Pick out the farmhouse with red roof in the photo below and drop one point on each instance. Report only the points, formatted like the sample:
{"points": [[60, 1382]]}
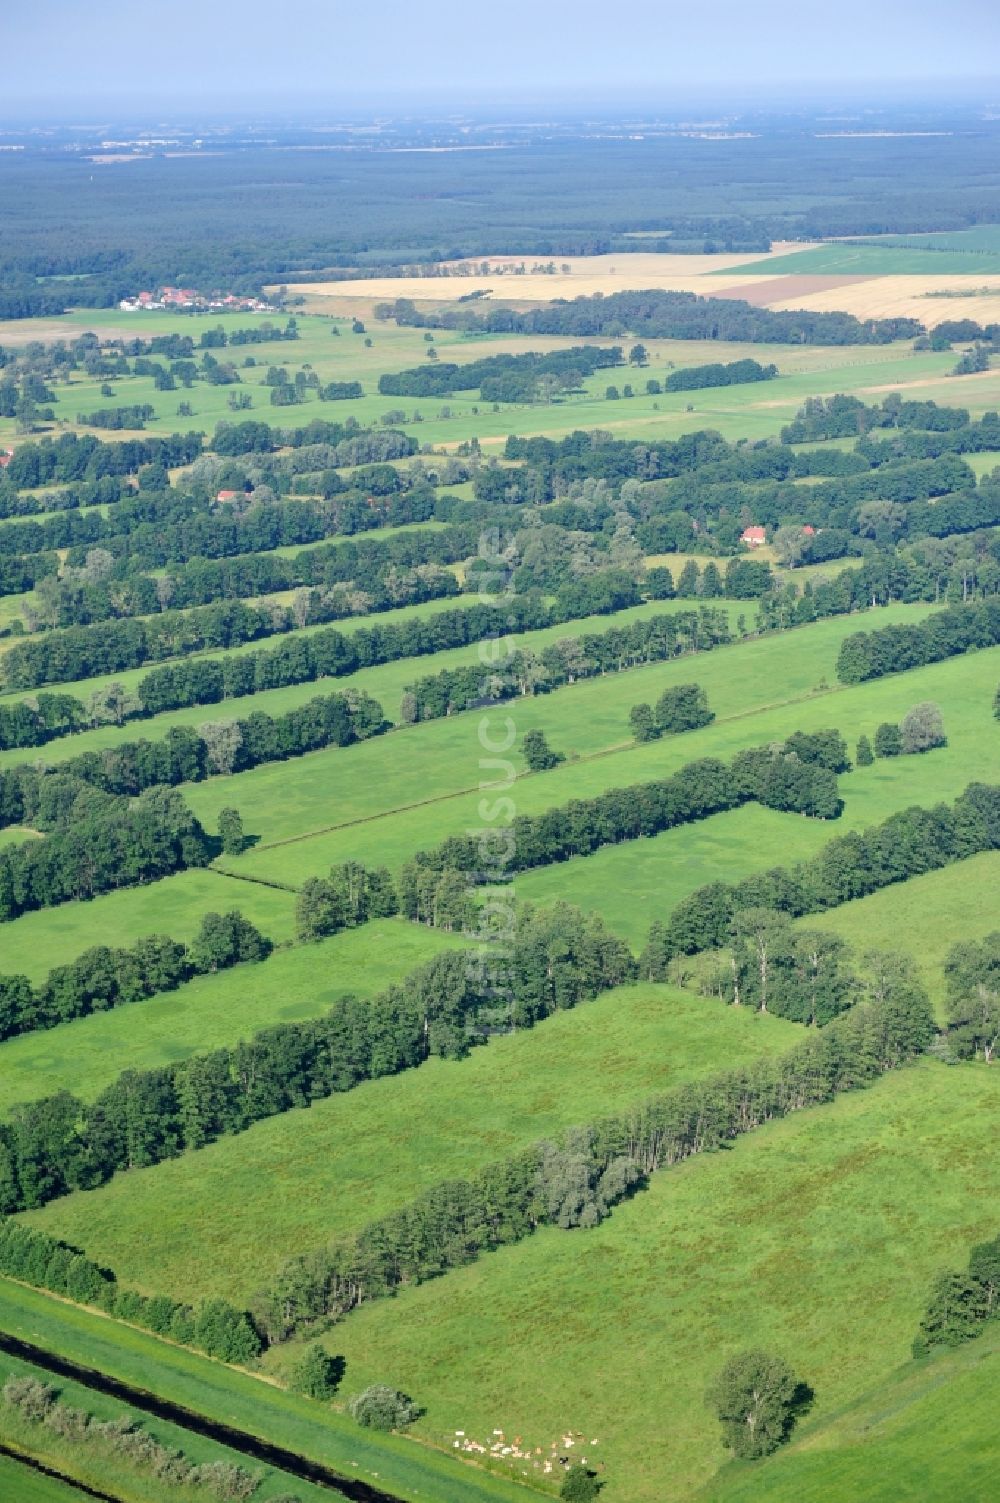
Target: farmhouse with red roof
{"points": [[754, 537]]}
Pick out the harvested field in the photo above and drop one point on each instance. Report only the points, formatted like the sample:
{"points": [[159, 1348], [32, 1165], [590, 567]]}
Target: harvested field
{"points": [[925, 298], [632, 272], [768, 292]]}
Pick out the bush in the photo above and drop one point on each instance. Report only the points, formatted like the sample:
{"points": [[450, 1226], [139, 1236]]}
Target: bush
{"points": [[382, 1408], [538, 753], [580, 1484], [317, 1374]]}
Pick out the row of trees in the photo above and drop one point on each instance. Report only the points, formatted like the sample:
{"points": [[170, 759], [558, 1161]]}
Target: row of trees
{"points": [[893, 649], [576, 1180], [557, 958], [112, 646], [771, 775], [663, 315], [101, 846], [188, 754], [656, 639], [33, 1257], [851, 866], [299, 659], [126, 1442], [104, 977]]}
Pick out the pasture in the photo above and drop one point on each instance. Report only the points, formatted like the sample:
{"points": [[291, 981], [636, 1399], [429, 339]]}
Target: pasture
{"points": [[414, 1474], [212, 1011], [737, 412], [298, 1180], [926, 1432], [845, 1212], [96, 1466]]}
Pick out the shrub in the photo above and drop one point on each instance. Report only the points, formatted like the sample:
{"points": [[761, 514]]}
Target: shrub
{"points": [[317, 1374], [382, 1408]]}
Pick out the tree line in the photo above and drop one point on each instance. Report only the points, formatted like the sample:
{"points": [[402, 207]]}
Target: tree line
{"points": [[33, 1257], [564, 662], [100, 844], [107, 976], [893, 649], [329, 653], [662, 315], [774, 776], [557, 958], [188, 754], [914, 841], [74, 652]]}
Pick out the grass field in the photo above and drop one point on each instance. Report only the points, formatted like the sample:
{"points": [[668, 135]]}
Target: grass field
{"points": [[22, 1485], [927, 1432], [815, 1237], [926, 915], [400, 809], [297, 1180], [86, 1055], [37, 941], [893, 256], [386, 682], [415, 1474], [735, 411]]}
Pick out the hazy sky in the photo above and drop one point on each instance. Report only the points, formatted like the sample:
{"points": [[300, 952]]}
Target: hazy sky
{"points": [[59, 54]]}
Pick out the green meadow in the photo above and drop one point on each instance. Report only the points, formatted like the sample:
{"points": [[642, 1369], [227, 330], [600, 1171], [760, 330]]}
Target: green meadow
{"points": [[815, 1237], [298, 1180], [892, 256], [23, 1485], [737, 412], [924, 916], [37, 941], [346, 819], [98, 1467], [412, 1473], [212, 1011], [927, 1432]]}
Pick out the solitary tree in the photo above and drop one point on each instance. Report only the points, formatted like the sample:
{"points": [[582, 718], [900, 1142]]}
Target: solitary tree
{"points": [[382, 1408], [683, 708], [580, 1484], [922, 728], [317, 1374], [538, 753], [863, 755], [757, 1398]]}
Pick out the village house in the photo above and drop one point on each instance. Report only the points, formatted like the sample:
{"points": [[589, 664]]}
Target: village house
{"points": [[754, 537]]}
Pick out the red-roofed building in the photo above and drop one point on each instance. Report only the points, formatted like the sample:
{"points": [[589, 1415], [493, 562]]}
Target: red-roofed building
{"points": [[754, 537], [6, 455], [227, 496], [810, 532]]}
